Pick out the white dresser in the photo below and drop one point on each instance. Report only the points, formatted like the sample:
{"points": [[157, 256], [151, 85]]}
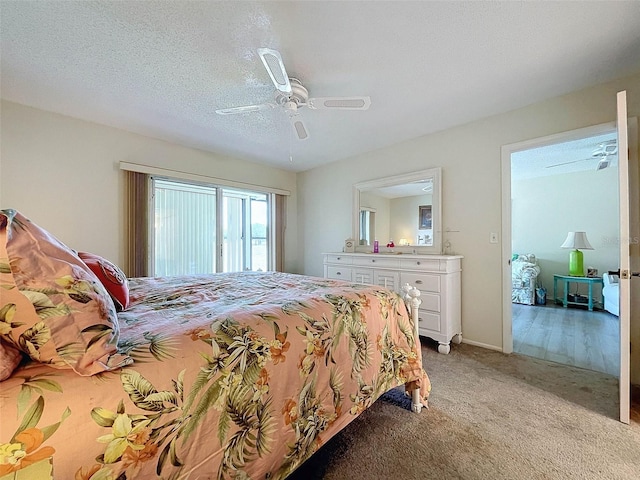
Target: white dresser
{"points": [[436, 276]]}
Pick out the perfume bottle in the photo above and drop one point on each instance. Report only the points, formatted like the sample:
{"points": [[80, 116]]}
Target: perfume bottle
{"points": [[375, 246]]}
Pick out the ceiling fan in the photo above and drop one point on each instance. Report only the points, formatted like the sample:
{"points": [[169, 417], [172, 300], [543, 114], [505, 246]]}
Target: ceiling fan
{"points": [[290, 95], [604, 152]]}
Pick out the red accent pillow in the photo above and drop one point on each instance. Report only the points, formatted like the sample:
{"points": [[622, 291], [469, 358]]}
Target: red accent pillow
{"points": [[112, 278]]}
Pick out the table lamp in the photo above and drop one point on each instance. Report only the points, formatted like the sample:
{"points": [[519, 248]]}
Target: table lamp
{"points": [[576, 241]]}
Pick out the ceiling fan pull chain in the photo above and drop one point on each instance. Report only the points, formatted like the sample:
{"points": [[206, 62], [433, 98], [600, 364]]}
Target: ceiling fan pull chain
{"points": [[290, 145]]}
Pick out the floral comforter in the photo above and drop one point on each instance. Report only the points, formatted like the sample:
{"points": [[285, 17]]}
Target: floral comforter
{"points": [[235, 376]]}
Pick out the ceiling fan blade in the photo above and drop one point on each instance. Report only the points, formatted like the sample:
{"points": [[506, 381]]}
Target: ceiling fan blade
{"points": [[275, 67], [245, 109], [567, 163], [339, 103], [299, 128], [604, 163]]}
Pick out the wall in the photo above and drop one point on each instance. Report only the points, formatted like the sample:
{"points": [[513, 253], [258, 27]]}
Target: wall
{"points": [[404, 219], [545, 209], [470, 157], [396, 218], [63, 174]]}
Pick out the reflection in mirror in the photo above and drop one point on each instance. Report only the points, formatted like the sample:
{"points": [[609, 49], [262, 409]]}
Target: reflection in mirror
{"points": [[402, 210], [367, 225]]}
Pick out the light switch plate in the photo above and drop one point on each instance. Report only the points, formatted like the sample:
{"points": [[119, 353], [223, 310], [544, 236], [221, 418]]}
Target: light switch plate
{"points": [[493, 237]]}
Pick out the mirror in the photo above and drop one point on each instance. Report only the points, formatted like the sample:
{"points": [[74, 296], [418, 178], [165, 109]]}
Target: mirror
{"points": [[404, 208]]}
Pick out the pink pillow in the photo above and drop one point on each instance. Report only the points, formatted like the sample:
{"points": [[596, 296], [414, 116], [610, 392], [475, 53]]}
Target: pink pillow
{"points": [[10, 358], [60, 313], [112, 278]]}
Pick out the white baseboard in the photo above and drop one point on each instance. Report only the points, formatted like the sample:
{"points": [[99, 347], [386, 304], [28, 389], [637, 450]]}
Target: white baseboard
{"points": [[483, 345]]}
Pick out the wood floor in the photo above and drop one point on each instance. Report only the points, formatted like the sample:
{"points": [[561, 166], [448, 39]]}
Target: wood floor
{"points": [[571, 336]]}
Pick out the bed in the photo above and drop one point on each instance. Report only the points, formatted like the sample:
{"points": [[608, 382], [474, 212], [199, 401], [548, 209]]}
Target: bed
{"points": [[239, 375]]}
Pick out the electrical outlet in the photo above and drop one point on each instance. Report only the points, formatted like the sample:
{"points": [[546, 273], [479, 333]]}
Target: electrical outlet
{"points": [[493, 237]]}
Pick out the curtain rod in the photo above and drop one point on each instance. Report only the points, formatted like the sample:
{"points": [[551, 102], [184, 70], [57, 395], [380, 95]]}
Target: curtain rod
{"points": [[149, 170]]}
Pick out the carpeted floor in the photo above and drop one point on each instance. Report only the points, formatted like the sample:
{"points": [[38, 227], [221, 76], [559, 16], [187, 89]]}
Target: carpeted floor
{"points": [[491, 416]]}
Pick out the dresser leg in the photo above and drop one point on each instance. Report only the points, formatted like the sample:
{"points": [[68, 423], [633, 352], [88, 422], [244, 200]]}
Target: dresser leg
{"points": [[444, 348], [457, 338]]}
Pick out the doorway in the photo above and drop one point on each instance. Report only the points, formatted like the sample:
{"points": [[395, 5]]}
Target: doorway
{"points": [[558, 189], [552, 186]]}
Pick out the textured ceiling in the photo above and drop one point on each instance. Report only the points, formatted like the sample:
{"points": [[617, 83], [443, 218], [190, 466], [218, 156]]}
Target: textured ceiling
{"points": [[163, 68], [565, 157]]}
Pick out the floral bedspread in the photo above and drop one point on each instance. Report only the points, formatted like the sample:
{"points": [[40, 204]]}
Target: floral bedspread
{"points": [[239, 375]]}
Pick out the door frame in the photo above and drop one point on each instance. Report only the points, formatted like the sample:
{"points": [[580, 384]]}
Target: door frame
{"points": [[506, 152]]}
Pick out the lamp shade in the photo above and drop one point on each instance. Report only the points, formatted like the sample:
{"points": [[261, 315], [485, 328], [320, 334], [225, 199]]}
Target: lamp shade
{"points": [[577, 240]]}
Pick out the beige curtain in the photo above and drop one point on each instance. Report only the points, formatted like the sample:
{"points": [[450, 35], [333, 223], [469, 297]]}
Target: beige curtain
{"points": [[280, 226], [137, 225]]}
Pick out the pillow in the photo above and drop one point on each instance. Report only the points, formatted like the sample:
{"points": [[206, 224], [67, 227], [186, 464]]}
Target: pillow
{"points": [[10, 358], [55, 308], [112, 278]]}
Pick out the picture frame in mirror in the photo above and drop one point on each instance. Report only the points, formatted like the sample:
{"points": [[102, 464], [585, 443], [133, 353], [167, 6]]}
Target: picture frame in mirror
{"points": [[424, 217]]}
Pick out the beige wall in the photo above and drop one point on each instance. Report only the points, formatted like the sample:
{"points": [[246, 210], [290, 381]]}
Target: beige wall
{"points": [[63, 174], [404, 218], [470, 157], [545, 209]]}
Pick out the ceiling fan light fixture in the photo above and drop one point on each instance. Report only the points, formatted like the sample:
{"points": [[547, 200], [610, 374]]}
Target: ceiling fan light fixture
{"points": [[291, 107]]}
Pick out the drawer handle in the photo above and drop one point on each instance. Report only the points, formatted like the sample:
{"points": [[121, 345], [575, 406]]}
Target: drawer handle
{"points": [[373, 261], [419, 319], [338, 273], [417, 263], [418, 282]]}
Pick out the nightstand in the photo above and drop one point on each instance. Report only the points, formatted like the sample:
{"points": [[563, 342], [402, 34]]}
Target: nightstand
{"points": [[566, 279]]}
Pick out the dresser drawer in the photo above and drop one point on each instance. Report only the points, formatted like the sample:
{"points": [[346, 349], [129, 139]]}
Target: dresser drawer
{"points": [[339, 273], [428, 321], [377, 261], [424, 282], [430, 301], [344, 259], [420, 264]]}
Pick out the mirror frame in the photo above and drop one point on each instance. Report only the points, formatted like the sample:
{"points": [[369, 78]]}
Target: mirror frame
{"points": [[436, 174]]}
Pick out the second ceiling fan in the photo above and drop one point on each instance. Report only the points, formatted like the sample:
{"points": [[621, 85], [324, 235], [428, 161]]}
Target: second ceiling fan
{"points": [[604, 153], [291, 95]]}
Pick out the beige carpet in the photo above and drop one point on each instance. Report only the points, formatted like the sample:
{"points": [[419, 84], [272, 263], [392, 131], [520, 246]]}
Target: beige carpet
{"points": [[491, 416]]}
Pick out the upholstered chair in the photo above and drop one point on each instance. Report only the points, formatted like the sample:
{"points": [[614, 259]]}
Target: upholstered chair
{"points": [[524, 276]]}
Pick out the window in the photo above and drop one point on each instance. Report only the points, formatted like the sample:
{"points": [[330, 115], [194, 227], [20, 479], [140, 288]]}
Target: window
{"points": [[367, 225], [202, 229], [245, 222]]}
